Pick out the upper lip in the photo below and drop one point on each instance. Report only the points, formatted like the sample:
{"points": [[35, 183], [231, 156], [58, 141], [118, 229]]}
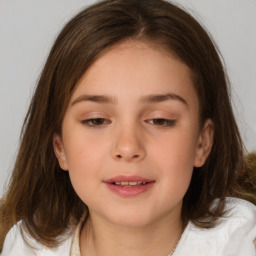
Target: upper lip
{"points": [[132, 178]]}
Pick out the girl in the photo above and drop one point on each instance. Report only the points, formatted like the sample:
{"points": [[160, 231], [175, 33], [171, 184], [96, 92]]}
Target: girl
{"points": [[130, 146]]}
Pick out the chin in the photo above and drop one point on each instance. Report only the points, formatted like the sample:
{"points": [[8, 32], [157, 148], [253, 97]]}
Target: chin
{"points": [[131, 219]]}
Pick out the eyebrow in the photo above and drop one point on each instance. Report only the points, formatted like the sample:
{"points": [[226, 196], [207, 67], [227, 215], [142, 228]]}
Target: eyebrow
{"points": [[151, 98], [95, 98], [155, 98]]}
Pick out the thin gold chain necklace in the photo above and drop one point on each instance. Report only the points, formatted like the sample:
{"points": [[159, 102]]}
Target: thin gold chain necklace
{"points": [[173, 250]]}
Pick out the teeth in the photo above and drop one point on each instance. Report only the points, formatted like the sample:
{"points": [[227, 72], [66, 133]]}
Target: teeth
{"points": [[133, 183], [130, 183]]}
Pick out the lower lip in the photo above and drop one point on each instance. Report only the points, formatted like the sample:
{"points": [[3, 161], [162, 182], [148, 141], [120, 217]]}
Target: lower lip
{"points": [[129, 191]]}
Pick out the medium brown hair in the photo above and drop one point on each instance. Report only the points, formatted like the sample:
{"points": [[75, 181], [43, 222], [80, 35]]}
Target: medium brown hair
{"points": [[40, 193]]}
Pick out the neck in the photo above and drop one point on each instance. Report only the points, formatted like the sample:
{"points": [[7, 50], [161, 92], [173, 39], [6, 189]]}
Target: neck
{"points": [[104, 239]]}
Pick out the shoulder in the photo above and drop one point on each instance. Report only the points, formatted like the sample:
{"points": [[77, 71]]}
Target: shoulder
{"points": [[234, 235], [14, 245], [240, 213]]}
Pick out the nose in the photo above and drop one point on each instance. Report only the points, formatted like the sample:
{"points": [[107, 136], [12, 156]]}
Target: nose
{"points": [[128, 146]]}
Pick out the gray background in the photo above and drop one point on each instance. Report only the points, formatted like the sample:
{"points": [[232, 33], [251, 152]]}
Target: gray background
{"points": [[28, 29]]}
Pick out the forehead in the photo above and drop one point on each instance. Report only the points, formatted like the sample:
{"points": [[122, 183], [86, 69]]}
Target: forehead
{"points": [[132, 69]]}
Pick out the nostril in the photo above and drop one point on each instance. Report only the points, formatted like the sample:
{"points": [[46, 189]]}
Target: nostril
{"points": [[120, 156]]}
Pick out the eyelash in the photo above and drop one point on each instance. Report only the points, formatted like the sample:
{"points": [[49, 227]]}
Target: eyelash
{"points": [[89, 122], [163, 122]]}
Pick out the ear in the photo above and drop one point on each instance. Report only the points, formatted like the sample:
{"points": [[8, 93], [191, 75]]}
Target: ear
{"points": [[59, 151], [204, 143]]}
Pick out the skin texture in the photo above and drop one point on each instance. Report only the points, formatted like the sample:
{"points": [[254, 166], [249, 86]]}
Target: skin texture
{"points": [[131, 138]]}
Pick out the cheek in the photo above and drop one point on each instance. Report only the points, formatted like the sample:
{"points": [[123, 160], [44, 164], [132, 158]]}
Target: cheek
{"points": [[175, 177], [174, 160], [176, 151], [81, 149], [176, 168], [85, 158]]}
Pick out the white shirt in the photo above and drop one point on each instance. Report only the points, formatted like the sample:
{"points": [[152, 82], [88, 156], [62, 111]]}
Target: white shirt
{"points": [[234, 236]]}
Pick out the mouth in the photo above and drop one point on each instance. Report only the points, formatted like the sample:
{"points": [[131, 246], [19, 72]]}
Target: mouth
{"points": [[130, 183], [129, 186]]}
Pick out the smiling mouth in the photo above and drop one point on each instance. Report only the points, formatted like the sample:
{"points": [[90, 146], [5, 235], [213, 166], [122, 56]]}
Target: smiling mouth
{"points": [[129, 186], [130, 183]]}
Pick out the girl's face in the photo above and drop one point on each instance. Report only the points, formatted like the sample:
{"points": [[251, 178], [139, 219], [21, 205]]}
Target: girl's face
{"points": [[131, 137]]}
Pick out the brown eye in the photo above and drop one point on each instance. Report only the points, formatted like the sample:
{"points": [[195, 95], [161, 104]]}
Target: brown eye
{"points": [[162, 122], [94, 121]]}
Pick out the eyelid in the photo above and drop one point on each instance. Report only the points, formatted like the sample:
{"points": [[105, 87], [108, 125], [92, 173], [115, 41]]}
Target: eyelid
{"points": [[167, 122], [88, 120]]}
